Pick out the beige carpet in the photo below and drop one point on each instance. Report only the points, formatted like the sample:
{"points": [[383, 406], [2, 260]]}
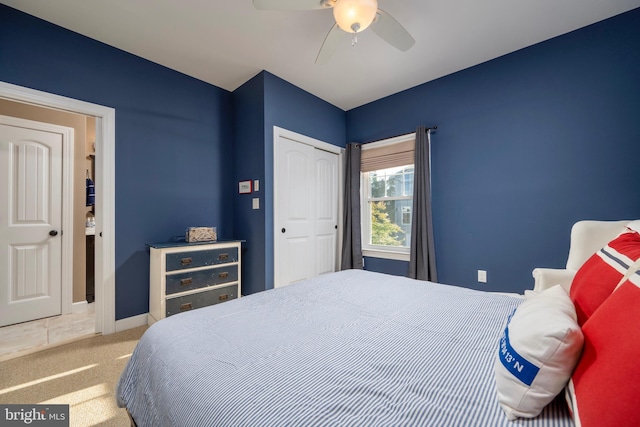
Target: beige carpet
{"points": [[82, 374]]}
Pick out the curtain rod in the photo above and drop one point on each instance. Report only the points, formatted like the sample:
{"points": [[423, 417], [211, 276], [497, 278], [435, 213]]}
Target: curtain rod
{"points": [[432, 128]]}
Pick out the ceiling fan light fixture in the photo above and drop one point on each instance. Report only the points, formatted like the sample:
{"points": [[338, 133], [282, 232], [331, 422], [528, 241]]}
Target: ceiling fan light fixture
{"points": [[354, 16]]}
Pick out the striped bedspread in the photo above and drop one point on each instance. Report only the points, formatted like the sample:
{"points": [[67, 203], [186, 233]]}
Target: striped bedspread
{"points": [[352, 348]]}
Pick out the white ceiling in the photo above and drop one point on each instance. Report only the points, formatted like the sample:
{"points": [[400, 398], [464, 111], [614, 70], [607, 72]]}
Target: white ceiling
{"points": [[225, 43]]}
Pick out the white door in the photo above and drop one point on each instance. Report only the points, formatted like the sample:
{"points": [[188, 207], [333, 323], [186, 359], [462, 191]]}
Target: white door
{"points": [[30, 221], [325, 214], [305, 211]]}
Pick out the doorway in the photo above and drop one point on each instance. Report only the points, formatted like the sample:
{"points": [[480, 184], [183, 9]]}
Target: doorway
{"points": [[104, 193]]}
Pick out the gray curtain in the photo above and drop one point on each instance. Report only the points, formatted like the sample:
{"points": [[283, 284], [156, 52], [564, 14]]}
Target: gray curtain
{"points": [[352, 238], [422, 258]]}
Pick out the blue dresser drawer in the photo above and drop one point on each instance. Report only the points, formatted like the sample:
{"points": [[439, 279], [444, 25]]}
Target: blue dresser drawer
{"points": [[192, 259], [182, 282], [200, 299]]}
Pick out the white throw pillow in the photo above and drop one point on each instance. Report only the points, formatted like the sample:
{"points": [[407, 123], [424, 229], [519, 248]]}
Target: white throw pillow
{"points": [[538, 351]]}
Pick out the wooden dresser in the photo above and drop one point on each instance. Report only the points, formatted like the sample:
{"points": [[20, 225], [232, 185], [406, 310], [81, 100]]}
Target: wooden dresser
{"points": [[186, 276]]}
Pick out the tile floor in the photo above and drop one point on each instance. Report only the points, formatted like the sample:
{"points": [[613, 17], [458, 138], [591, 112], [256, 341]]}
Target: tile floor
{"points": [[25, 338]]}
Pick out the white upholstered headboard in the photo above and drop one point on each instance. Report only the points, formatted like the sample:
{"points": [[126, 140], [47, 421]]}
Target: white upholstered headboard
{"points": [[587, 237]]}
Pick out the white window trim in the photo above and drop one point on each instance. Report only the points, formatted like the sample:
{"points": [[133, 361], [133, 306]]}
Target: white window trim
{"points": [[380, 253], [376, 251]]}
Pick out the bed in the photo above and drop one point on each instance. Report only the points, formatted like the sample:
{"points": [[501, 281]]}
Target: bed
{"points": [[352, 348]]}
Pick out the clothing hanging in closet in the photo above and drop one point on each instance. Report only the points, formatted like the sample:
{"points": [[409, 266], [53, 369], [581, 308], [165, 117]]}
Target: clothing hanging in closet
{"points": [[91, 191]]}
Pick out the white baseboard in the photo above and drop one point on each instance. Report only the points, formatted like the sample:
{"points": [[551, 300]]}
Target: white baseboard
{"points": [[131, 322], [82, 307]]}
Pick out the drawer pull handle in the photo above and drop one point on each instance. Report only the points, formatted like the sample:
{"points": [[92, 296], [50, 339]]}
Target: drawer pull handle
{"points": [[186, 307], [223, 297], [186, 282], [223, 257], [223, 275], [185, 261]]}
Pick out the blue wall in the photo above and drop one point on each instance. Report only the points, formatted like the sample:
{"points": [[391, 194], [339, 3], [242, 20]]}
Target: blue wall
{"points": [[526, 145], [173, 136], [287, 106], [249, 165]]}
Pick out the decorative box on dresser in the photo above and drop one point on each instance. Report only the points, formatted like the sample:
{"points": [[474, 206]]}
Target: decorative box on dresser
{"points": [[186, 276]]}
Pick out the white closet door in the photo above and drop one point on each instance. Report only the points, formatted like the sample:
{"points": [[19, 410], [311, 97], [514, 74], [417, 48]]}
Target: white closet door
{"points": [[325, 214], [294, 205], [305, 211]]}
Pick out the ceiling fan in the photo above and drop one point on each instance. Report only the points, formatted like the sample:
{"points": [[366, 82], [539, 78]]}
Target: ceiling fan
{"points": [[352, 16]]}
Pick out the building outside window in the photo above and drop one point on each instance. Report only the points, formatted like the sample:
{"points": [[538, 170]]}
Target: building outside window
{"points": [[406, 215]]}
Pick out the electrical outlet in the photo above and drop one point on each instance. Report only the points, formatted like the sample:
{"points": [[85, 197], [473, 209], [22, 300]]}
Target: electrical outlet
{"points": [[482, 276]]}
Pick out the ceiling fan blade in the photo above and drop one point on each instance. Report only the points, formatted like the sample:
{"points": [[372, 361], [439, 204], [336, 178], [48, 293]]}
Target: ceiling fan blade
{"points": [[330, 44], [289, 4], [392, 31]]}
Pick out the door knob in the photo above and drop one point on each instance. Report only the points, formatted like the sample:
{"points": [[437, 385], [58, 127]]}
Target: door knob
{"points": [[283, 230], [53, 233]]}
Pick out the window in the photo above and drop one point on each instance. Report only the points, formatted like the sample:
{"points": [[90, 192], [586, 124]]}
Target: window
{"points": [[387, 197]]}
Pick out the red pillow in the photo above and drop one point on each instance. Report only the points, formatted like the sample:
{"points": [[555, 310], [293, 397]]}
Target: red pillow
{"points": [[600, 274], [605, 387]]}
